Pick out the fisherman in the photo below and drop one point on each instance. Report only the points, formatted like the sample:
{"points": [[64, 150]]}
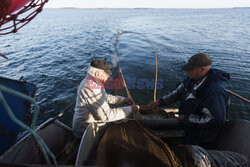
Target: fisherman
{"points": [[203, 101], [92, 102]]}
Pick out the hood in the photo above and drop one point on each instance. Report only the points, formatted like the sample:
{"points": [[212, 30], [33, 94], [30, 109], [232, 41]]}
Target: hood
{"points": [[215, 74]]}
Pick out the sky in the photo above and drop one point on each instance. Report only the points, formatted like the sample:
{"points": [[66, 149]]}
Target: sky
{"points": [[148, 3]]}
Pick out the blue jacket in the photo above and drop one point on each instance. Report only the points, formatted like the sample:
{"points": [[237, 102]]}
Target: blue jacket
{"points": [[204, 107]]}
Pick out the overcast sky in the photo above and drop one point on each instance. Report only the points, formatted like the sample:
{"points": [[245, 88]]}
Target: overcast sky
{"points": [[148, 3]]}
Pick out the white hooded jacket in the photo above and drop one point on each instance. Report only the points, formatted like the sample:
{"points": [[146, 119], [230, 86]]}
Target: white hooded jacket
{"points": [[92, 105]]}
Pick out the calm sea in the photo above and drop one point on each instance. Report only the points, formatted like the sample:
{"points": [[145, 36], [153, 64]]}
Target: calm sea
{"points": [[55, 49]]}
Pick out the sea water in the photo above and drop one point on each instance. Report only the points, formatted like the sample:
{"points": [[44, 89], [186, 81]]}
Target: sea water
{"points": [[55, 49]]}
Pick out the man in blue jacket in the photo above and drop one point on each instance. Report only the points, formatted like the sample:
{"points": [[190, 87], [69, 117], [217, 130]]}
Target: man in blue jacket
{"points": [[204, 101]]}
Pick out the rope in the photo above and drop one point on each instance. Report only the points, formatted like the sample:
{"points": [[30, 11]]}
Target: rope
{"points": [[237, 95], [46, 151], [156, 64], [21, 95]]}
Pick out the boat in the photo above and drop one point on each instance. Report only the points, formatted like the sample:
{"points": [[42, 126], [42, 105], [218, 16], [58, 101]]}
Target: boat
{"points": [[70, 151]]}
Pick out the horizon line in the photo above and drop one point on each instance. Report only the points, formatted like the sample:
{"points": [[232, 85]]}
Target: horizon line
{"points": [[141, 7]]}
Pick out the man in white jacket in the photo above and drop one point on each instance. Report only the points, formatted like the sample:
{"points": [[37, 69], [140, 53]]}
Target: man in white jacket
{"points": [[92, 102]]}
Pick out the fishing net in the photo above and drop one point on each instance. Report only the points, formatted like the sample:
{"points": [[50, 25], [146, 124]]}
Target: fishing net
{"points": [[11, 23], [117, 72], [119, 84], [120, 87], [200, 157], [131, 144]]}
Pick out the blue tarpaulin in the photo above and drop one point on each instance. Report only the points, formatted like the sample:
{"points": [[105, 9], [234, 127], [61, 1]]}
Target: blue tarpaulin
{"points": [[20, 107]]}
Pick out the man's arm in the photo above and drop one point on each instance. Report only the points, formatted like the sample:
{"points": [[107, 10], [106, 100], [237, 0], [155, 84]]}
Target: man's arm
{"points": [[100, 109], [172, 97], [212, 114], [111, 99]]}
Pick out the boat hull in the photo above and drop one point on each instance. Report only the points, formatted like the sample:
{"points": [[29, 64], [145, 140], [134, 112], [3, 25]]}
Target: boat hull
{"points": [[56, 135]]}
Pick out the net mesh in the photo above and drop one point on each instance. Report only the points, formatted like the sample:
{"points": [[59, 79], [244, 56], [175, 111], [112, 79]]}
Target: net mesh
{"points": [[120, 87], [130, 144], [11, 23]]}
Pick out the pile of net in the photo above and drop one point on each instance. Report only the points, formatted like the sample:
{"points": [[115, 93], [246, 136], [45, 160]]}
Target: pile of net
{"points": [[200, 157], [130, 144]]}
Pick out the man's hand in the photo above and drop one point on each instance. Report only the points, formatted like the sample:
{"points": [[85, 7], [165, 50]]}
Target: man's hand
{"points": [[135, 108], [154, 104], [128, 101]]}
